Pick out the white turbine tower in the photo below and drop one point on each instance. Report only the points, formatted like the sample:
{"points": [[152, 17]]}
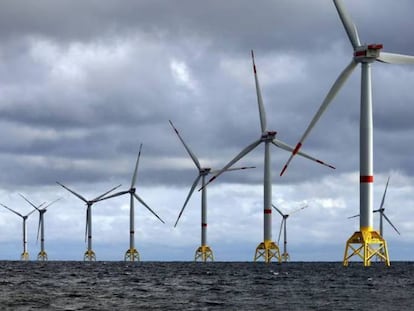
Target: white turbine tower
{"points": [[132, 254], [25, 253], [266, 249], [367, 242], [42, 256], [204, 252], [285, 254], [89, 254]]}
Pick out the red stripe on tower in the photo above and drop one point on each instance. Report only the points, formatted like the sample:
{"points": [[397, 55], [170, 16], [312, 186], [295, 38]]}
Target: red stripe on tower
{"points": [[267, 211], [366, 179], [204, 225]]}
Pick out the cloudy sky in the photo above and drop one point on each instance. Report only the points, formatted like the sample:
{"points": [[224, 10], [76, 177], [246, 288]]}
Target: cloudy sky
{"points": [[84, 83]]}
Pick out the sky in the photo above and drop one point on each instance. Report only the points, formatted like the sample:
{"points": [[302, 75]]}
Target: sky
{"points": [[84, 83]]}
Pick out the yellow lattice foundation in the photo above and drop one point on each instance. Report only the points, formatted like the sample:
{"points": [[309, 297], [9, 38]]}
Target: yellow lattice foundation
{"points": [[42, 256], [366, 244], [24, 256], [285, 257], [204, 253], [267, 250], [132, 255], [89, 256]]}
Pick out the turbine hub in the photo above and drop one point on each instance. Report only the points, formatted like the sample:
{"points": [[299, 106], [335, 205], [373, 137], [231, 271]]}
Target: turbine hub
{"points": [[367, 53], [132, 190]]}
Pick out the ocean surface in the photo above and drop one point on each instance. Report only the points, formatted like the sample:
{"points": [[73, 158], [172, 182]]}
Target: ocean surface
{"points": [[61, 285]]}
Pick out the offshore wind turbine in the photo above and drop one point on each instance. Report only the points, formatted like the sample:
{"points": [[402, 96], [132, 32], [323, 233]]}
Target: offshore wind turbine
{"points": [[266, 249], [89, 254], [203, 252], [367, 242], [382, 213], [25, 253], [285, 254], [42, 256], [132, 254]]}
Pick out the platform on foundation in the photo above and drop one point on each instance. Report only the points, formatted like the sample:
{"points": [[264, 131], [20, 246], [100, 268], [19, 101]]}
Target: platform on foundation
{"points": [[204, 253], [89, 256], [42, 256], [267, 250], [366, 245], [132, 255]]}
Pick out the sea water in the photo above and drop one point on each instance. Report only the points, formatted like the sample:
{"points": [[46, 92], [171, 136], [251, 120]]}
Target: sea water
{"points": [[60, 285]]}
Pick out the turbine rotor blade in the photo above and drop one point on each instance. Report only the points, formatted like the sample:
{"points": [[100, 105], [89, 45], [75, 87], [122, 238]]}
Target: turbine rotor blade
{"points": [[278, 210], [31, 213], [389, 221], [385, 192], [145, 204], [195, 183], [392, 58], [298, 209], [134, 176], [113, 195], [73, 192], [191, 154], [102, 195], [262, 111], [328, 99], [86, 224], [280, 230], [36, 207], [282, 145], [233, 169], [51, 203], [353, 216], [13, 211], [349, 25], [38, 227], [244, 152]]}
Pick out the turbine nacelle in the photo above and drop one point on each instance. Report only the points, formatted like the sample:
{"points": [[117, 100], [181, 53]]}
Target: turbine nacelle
{"points": [[268, 136], [205, 171], [367, 53]]}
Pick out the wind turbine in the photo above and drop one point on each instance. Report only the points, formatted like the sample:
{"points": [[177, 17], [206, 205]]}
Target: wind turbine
{"points": [[132, 254], [285, 254], [25, 254], [204, 252], [89, 254], [41, 227], [266, 249], [367, 242], [382, 214]]}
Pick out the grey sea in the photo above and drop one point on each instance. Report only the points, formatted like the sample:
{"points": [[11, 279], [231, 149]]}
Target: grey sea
{"points": [[60, 285]]}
